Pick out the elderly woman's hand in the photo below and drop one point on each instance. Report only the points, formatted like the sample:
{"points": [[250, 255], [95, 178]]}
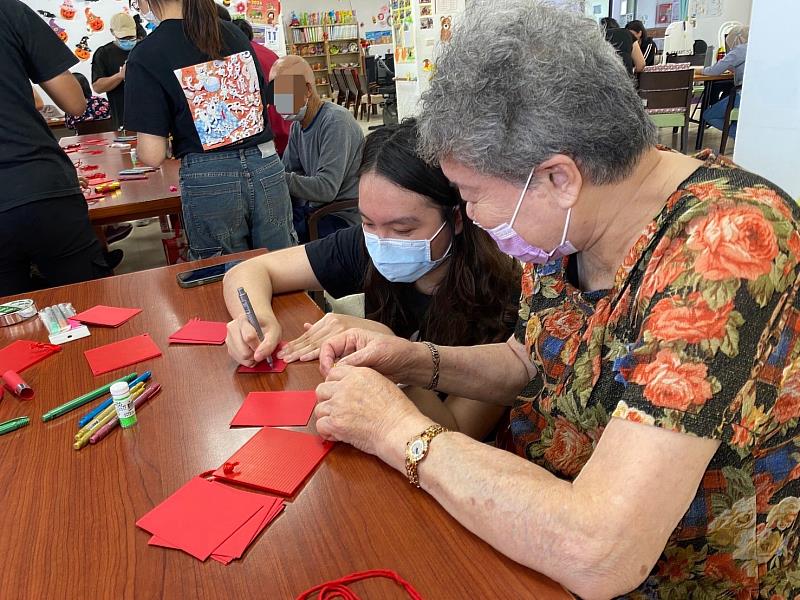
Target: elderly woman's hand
{"points": [[307, 346], [364, 409], [392, 356]]}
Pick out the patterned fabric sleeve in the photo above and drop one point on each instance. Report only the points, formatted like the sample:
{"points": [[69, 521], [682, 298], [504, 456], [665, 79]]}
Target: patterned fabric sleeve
{"points": [[717, 326]]}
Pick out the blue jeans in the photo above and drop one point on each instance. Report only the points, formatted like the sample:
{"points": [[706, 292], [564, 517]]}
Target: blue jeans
{"points": [[714, 115], [233, 201]]}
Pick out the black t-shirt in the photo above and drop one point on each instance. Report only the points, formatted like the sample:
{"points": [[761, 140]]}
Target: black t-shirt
{"points": [[649, 51], [155, 101], [340, 263], [622, 40], [32, 165], [106, 62]]}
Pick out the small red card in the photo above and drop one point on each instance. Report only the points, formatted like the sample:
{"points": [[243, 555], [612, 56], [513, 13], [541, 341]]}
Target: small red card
{"points": [[121, 354], [276, 409], [107, 316], [200, 332], [278, 364], [21, 354], [275, 460]]}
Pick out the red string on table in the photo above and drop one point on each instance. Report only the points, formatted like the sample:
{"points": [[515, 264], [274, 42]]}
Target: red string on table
{"points": [[338, 587]]}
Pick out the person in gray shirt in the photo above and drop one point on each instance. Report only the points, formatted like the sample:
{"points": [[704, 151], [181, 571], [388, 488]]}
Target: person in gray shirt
{"points": [[734, 60], [324, 149]]}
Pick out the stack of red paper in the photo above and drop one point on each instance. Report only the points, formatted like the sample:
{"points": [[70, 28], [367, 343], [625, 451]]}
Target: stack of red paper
{"points": [[206, 518], [200, 332]]}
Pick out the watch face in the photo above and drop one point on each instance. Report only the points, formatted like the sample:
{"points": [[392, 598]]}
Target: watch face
{"points": [[417, 449]]}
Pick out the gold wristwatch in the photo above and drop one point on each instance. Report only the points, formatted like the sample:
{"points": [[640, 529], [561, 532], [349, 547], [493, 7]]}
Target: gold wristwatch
{"points": [[417, 450]]}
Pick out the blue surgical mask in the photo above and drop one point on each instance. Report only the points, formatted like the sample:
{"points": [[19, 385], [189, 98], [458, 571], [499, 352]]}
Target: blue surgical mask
{"points": [[403, 261], [151, 18], [126, 45], [299, 115]]}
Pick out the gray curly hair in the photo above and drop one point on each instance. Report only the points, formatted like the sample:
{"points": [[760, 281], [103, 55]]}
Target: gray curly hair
{"points": [[521, 81]]}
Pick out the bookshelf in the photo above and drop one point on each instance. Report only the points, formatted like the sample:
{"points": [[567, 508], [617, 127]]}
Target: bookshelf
{"points": [[327, 41]]}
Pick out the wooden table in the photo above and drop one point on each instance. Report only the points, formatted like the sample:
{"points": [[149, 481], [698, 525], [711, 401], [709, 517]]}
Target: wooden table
{"points": [[706, 80], [138, 199], [67, 518]]}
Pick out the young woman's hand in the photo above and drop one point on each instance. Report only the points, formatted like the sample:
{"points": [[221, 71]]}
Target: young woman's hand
{"points": [[306, 347], [242, 340]]}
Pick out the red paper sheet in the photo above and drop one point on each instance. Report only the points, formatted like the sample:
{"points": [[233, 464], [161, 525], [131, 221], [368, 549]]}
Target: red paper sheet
{"points": [[121, 354], [200, 332], [275, 460], [107, 316], [93, 196], [201, 515], [275, 409], [278, 365], [21, 354]]}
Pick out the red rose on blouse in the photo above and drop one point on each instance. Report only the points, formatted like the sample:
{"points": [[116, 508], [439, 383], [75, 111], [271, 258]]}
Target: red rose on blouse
{"points": [[736, 242], [787, 406], [563, 323], [765, 488], [688, 319], [669, 383], [706, 191], [570, 448], [664, 267], [769, 197], [794, 244]]}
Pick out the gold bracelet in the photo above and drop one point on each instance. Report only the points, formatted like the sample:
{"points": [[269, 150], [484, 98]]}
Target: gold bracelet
{"points": [[436, 359]]}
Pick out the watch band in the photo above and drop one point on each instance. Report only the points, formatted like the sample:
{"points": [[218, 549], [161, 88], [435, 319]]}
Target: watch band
{"points": [[417, 449]]}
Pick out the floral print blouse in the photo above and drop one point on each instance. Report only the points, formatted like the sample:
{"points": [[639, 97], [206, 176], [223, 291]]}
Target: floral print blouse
{"points": [[700, 334], [96, 108]]}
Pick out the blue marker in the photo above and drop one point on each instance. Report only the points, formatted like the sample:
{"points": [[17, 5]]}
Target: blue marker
{"points": [[109, 401]]}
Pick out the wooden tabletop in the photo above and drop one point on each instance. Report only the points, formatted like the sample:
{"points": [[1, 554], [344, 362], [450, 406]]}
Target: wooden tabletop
{"points": [[149, 197], [55, 122], [67, 517]]}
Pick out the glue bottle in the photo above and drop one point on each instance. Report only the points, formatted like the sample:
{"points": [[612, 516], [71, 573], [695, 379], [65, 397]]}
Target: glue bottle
{"points": [[126, 411]]}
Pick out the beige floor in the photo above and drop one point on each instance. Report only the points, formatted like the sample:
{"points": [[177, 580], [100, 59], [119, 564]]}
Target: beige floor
{"points": [[144, 249]]}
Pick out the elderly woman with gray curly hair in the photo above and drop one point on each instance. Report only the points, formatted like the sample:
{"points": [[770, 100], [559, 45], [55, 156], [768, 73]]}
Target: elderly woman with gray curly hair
{"points": [[655, 371]]}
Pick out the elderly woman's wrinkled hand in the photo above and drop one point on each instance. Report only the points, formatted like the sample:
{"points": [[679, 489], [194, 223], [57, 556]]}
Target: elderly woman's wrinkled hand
{"points": [[391, 356], [362, 408]]}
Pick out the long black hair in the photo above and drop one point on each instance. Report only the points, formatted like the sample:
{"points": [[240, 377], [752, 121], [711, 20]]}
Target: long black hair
{"points": [[87, 90], [200, 23], [639, 27], [477, 300]]}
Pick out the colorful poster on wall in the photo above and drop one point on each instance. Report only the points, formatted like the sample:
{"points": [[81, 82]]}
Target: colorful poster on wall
{"points": [[255, 11], [664, 13], [379, 37], [444, 7]]}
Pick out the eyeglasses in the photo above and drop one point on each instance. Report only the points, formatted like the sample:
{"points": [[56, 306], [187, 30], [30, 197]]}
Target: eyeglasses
{"points": [[134, 4]]}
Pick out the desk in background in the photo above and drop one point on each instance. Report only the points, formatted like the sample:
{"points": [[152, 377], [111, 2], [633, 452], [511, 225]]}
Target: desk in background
{"points": [[67, 517]]}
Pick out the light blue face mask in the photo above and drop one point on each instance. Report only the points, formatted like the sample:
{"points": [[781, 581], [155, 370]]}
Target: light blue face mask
{"points": [[151, 18], [126, 45], [403, 261]]}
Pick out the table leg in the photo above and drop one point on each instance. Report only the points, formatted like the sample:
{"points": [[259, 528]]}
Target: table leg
{"points": [[704, 102]]}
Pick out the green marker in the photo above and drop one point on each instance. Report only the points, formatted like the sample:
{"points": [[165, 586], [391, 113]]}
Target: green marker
{"points": [[86, 398], [13, 425]]}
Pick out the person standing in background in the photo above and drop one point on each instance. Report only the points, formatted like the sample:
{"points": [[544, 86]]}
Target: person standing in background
{"points": [[646, 44], [108, 64], [266, 58], [44, 219], [194, 78]]}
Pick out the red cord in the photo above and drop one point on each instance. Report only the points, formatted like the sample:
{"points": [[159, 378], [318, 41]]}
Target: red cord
{"points": [[338, 587]]}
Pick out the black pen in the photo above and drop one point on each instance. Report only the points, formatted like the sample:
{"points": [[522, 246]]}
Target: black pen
{"points": [[251, 318]]}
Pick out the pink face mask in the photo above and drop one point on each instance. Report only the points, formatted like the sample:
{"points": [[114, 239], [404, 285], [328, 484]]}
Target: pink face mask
{"points": [[512, 243]]}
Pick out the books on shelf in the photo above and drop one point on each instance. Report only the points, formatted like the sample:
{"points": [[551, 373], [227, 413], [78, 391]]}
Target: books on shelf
{"points": [[304, 35]]}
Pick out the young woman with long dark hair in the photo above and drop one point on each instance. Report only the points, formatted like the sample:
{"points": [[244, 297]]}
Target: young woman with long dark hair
{"points": [[646, 43], [426, 270], [194, 79]]}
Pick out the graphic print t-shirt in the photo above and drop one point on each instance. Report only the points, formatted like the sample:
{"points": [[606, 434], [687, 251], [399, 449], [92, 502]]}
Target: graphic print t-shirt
{"points": [[156, 100]]}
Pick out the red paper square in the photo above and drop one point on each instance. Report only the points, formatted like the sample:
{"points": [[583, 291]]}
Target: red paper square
{"points": [[201, 515], [278, 364], [107, 316], [121, 354], [200, 332], [21, 354], [275, 460], [275, 409]]}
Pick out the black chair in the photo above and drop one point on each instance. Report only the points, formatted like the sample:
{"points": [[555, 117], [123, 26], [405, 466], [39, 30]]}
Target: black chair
{"points": [[730, 116], [313, 231]]}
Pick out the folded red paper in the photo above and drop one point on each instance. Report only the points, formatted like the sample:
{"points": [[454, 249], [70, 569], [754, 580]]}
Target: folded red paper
{"points": [[21, 354], [278, 364], [200, 516], [200, 332], [275, 409], [107, 316], [275, 460], [121, 354]]}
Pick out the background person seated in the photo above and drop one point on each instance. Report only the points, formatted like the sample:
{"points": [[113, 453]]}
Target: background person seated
{"points": [[324, 149], [96, 106], [734, 60]]}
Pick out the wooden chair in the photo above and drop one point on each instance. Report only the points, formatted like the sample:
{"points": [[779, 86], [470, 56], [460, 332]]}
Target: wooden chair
{"points": [[95, 126], [338, 74], [355, 93], [666, 91], [731, 116], [337, 92], [313, 231], [366, 97]]}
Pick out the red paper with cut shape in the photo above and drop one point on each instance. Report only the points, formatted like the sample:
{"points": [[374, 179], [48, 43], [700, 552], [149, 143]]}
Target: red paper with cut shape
{"points": [[21, 354]]}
